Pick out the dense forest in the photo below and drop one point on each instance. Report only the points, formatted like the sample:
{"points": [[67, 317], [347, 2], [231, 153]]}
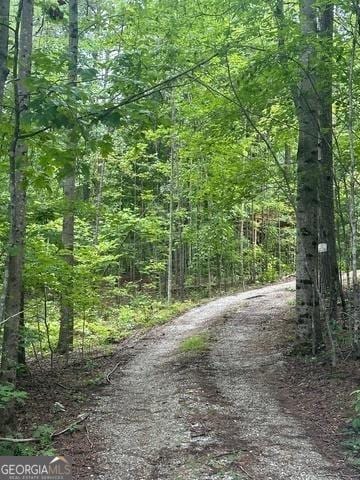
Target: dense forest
{"points": [[158, 152]]}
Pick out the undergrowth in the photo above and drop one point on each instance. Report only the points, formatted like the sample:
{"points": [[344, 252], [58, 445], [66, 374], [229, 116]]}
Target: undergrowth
{"points": [[42, 445], [94, 328], [97, 326], [195, 343], [352, 443]]}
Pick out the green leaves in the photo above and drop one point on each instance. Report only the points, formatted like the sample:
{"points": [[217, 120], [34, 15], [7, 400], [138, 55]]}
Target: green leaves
{"points": [[105, 145], [8, 393]]}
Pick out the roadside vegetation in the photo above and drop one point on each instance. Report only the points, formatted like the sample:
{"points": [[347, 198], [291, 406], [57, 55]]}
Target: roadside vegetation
{"points": [[157, 153]]}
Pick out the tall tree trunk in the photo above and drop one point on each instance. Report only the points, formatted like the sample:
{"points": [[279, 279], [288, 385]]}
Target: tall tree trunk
{"points": [[171, 225], [279, 250], [172, 187], [182, 253], [18, 163], [4, 43], [329, 273], [353, 189], [66, 334], [241, 246], [99, 194], [307, 302], [4, 71], [21, 347], [254, 245]]}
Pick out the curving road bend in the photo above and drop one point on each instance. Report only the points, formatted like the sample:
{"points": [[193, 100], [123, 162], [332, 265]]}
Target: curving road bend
{"points": [[209, 416]]}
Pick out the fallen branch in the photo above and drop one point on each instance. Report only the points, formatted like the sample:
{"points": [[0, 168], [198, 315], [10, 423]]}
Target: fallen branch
{"points": [[63, 386], [113, 371], [246, 473], [82, 418], [125, 344], [19, 440], [88, 437]]}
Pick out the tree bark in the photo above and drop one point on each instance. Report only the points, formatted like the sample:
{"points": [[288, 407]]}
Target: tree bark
{"points": [[4, 43], [66, 334], [18, 163], [241, 246], [4, 71], [329, 272], [99, 194], [171, 225], [307, 302], [353, 190]]}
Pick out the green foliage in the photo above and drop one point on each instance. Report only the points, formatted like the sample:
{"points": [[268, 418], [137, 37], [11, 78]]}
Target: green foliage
{"points": [[44, 435], [195, 344], [356, 420], [95, 327], [352, 443], [42, 447], [9, 394], [217, 144], [17, 449], [231, 222]]}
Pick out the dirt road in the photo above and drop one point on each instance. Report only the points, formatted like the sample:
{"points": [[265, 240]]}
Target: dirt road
{"points": [[214, 415]]}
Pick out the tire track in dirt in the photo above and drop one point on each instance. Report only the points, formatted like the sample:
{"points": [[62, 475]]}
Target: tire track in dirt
{"points": [[174, 416]]}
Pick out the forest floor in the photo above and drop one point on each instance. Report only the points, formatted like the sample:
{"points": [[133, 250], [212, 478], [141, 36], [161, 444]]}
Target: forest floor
{"points": [[238, 408]]}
